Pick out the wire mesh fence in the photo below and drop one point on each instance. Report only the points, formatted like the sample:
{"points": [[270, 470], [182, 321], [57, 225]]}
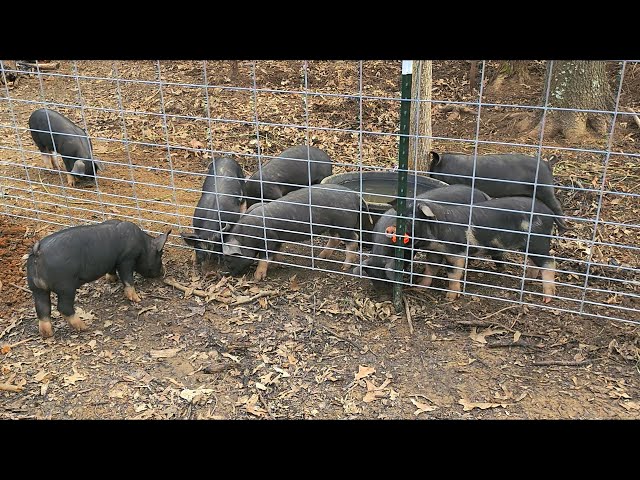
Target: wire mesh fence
{"points": [[155, 129]]}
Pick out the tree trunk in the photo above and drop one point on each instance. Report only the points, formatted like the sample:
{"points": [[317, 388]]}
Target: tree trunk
{"points": [[579, 84], [473, 75], [421, 89], [520, 70], [516, 71]]}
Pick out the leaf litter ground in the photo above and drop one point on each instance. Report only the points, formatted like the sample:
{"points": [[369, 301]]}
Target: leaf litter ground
{"points": [[305, 344]]}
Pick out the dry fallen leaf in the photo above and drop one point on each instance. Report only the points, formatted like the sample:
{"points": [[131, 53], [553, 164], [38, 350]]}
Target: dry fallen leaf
{"points": [[231, 357], [117, 392], [480, 336], [281, 371], [165, 353], [422, 407], [374, 392], [5, 349], [147, 309], [72, 379], [191, 395], [393, 394], [630, 405], [469, 405], [516, 336], [293, 283], [41, 375], [364, 372], [252, 407], [84, 315]]}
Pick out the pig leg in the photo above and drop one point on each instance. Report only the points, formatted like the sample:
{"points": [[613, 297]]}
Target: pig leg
{"points": [[71, 180], [351, 255], [42, 299], [532, 270], [125, 271], [497, 259], [49, 160], [111, 277], [56, 161], [277, 257], [454, 276], [66, 299], [327, 252], [243, 207], [547, 272], [431, 268], [261, 270], [428, 274]]}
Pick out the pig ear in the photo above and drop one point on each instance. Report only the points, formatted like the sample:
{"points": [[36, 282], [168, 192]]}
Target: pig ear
{"points": [[231, 249], [190, 239], [159, 242], [426, 211], [435, 159], [99, 164]]}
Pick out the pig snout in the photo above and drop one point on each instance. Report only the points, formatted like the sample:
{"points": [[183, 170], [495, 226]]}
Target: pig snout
{"points": [[79, 168]]}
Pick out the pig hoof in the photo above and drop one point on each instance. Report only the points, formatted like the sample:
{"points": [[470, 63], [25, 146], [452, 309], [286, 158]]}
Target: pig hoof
{"points": [[131, 294], [259, 275], [45, 328], [452, 295], [546, 299], [76, 323]]}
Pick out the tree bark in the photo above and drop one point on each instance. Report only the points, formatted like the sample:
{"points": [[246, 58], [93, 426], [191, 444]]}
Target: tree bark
{"points": [[579, 84], [473, 75], [516, 71], [421, 89]]}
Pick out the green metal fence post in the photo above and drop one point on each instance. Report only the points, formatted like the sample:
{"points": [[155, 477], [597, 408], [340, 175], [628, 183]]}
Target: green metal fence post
{"points": [[403, 166]]}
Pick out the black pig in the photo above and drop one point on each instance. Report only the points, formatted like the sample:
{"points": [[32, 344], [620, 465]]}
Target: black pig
{"points": [[493, 227], [380, 266], [220, 206], [289, 172], [54, 133], [457, 168], [65, 260], [334, 209]]}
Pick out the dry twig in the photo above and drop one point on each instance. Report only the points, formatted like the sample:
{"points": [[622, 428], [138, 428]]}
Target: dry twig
{"points": [[561, 363], [406, 309]]}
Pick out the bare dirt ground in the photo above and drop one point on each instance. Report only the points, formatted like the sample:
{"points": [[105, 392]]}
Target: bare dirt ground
{"points": [[302, 344]]}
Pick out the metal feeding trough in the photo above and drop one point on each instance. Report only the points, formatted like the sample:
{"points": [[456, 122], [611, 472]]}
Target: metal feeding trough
{"points": [[380, 188]]}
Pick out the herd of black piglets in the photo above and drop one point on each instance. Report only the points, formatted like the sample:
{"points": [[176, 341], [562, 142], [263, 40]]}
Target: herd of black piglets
{"points": [[240, 220]]}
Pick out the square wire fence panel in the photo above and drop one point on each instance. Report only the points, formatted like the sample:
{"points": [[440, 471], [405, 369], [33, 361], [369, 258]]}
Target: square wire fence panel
{"points": [[225, 153]]}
